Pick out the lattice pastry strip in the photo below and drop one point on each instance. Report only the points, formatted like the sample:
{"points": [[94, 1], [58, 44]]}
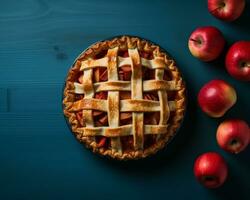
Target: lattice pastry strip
{"points": [[136, 93], [113, 98], [127, 105], [162, 94], [120, 131], [148, 85], [89, 93]]}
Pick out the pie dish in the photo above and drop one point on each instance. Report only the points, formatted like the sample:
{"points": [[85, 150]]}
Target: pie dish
{"points": [[124, 98]]}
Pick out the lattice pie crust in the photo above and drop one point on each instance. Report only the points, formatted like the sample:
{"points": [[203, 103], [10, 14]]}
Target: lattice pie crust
{"points": [[114, 139]]}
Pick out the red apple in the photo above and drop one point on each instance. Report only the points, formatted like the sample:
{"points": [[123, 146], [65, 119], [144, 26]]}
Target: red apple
{"points": [[210, 169], [233, 135], [227, 10], [216, 97], [206, 43], [238, 60]]}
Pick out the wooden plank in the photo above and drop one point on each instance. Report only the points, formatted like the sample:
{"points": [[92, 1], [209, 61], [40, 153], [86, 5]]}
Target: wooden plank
{"points": [[32, 123], [3, 100], [35, 99]]}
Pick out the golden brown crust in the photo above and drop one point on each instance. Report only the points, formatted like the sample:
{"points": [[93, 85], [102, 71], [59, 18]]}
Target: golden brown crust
{"points": [[163, 59]]}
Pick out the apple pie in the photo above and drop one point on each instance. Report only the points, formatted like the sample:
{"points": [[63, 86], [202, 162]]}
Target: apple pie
{"points": [[124, 98]]}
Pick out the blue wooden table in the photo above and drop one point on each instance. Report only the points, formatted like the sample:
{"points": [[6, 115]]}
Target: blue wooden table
{"points": [[40, 158]]}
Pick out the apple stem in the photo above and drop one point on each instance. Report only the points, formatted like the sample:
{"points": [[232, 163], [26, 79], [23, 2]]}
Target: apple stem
{"points": [[208, 178], [198, 41], [235, 145], [221, 6], [245, 64], [233, 142]]}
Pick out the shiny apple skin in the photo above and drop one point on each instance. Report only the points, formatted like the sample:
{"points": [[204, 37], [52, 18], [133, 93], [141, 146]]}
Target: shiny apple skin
{"points": [[210, 169], [238, 60], [216, 98], [206, 43], [233, 135], [226, 10]]}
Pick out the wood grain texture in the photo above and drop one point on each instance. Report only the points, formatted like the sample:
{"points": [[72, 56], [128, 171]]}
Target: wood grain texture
{"points": [[39, 157]]}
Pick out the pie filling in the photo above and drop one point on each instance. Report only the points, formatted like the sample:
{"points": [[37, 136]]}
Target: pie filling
{"points": [[124, 73]]}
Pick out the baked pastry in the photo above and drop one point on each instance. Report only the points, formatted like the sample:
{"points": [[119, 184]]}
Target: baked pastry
{"points": [[124, 98]]}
